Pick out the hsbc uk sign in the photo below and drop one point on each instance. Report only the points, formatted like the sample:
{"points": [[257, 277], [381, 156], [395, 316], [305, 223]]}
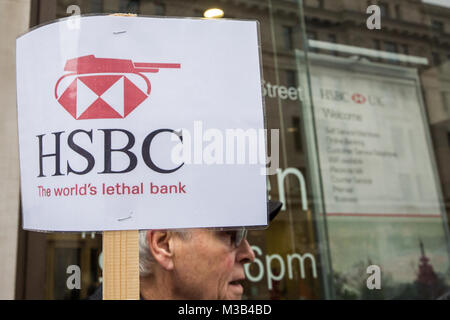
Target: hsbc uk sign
{"points": [[354, 97], [100, 112]]}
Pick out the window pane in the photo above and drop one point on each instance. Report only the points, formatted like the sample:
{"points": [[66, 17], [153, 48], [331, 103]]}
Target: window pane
{"points": [[364, 142]]}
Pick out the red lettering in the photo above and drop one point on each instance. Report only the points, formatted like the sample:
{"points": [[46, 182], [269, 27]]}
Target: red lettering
{"points": [[110, 190], [153, 186], [167, 189]]}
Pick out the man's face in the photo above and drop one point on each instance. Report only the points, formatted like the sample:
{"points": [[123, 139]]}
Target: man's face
{"points": [[208, 265]]}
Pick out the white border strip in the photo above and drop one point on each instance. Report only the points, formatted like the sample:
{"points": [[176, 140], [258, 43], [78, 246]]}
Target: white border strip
{"points": [[367, 52]]}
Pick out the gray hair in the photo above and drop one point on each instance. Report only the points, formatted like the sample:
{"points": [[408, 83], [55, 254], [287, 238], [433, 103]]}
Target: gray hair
{"points": [[146, 259]]}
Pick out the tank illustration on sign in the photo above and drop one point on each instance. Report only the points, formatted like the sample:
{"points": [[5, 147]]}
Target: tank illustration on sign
{"points": [[104, 88]]}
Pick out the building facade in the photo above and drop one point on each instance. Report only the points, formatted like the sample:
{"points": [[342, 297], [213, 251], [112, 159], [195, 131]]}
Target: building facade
{"points": [[364, 120]]}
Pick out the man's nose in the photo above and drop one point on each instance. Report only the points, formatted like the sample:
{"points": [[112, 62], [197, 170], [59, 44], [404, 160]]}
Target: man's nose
{"points": [[245, 253]]}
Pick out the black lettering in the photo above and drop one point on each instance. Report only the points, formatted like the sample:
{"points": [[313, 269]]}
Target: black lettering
{"points": [[82, 152], [146, 151], [57, 154], [109, 150]]}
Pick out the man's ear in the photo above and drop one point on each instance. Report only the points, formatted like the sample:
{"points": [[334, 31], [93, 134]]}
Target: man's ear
{"points": [[160, 244]]}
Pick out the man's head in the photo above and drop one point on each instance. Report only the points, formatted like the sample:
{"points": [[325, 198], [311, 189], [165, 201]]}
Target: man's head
{"points": [[193, 264]]}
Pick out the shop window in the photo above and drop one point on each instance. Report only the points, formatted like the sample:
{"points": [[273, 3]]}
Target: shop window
{"points": [[160, 9], [446, 101], [292, 241], [333, 39], [57, 287], [405, 49], [390, 47], [398, 13], [291, 78], [436, 58], [384, 10], [96, 6], [129, 6], [437, 26], [288, 40], [377, 44], [296, 132], [311, 36]]}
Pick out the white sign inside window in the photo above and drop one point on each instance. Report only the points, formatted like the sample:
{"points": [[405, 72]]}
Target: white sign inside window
{"points": [[374, 154]]}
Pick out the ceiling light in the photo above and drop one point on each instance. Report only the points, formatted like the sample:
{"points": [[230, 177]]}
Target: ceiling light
{"points": [[213, 13]]}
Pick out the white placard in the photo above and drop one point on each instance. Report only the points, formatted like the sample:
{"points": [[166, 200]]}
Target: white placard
{"points": [[374, 154], [100, 106]]}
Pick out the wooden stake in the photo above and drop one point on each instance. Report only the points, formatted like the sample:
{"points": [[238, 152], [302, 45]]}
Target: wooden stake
{"points": [[121, 265], [121, 258]]}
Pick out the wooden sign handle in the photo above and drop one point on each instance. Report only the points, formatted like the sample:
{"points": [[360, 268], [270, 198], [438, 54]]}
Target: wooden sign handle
{"points": [[121, 265], [121, 258]]}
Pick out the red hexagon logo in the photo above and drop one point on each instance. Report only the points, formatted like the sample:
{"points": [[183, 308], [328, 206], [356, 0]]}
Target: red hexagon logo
{"points": [[358, 98], [102, 88]]}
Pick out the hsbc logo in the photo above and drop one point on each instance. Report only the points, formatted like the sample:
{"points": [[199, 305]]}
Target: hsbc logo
{"points": [[358, 98], [355, 97], [103, 88]]}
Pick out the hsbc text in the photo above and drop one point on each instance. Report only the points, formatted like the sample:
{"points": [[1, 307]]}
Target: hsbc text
{"points": [[57, 139]]}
